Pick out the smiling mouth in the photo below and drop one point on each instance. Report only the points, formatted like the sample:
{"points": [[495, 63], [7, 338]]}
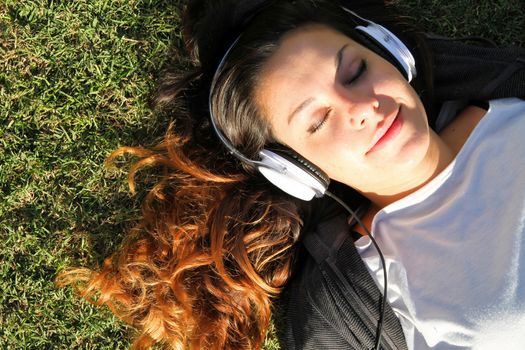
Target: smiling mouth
{"points": [[387, 133]]}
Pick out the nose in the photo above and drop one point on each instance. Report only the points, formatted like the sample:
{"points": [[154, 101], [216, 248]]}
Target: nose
{"points": [[363, 110]]}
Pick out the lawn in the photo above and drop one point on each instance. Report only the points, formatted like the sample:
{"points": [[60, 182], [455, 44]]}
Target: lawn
{"points": [[75, 77]]}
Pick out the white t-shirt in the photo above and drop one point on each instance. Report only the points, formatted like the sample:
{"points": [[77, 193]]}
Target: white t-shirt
{"points": [[455, 248]]}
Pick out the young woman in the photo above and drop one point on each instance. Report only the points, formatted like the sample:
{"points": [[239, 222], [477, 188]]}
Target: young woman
{"points": [[217, 241]]}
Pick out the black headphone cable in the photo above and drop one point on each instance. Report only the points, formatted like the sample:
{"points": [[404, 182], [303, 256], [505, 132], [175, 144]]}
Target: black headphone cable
{"points": [[379, 330]]}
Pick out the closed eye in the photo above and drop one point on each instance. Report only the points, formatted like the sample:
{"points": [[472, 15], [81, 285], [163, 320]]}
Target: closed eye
{"points": [[360, 71], [318, 125]]}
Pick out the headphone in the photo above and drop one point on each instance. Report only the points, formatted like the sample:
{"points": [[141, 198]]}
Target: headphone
{"points": [[284, 167]]}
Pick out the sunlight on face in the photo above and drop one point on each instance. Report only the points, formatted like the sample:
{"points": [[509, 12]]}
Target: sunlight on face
{"points": [[343, 107]]}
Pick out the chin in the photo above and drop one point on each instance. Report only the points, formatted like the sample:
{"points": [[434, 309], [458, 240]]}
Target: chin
{"points": [[413, 152]]}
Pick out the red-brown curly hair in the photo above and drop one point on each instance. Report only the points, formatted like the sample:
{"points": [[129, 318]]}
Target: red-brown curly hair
{"points": [[199, 269]]}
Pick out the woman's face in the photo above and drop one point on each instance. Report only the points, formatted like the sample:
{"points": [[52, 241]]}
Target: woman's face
{"points": [[344, 108]]}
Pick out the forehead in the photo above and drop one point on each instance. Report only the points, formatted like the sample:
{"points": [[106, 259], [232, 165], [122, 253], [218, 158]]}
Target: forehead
{"points": [[308, 42]]}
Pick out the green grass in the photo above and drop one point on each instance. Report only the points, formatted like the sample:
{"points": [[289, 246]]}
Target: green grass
{"points": [[74, 82]]}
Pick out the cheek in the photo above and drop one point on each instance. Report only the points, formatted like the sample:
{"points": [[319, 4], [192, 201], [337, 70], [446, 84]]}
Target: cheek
{"points": [[414, 150], [337, 161], [414, 142], [420, 129]]}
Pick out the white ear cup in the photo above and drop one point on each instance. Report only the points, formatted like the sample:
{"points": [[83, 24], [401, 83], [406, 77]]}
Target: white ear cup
{"points": [[390, 43], [395, 46], [289, 177]]}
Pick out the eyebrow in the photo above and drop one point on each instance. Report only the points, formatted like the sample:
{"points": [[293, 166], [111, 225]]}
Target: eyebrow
{"points": [[305, 103], [339, 57], [300, 108]]}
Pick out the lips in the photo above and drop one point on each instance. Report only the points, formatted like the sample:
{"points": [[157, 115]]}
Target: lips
{"points": [[387, 132]]}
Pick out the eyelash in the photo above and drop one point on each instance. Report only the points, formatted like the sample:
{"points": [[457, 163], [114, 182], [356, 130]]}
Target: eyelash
{"points": [[320, 123], [360, 71]]}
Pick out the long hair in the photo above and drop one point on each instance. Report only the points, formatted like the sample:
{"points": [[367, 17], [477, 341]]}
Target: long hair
{"points": [[215, 242]]}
